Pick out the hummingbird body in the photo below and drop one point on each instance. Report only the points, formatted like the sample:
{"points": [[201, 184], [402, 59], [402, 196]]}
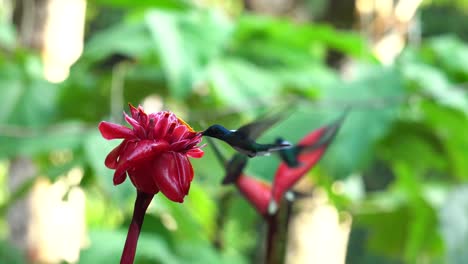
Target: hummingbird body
{"points": [[242, 141], [289, 156]]}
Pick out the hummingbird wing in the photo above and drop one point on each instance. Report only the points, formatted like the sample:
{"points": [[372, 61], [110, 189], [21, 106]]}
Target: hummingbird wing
{"points": [[327, 136], [234, 168], [256, 128]]}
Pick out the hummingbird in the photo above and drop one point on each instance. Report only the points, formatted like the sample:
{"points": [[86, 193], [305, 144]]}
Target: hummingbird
{"points": [[234, 168], [243, 139], [325, 136]]}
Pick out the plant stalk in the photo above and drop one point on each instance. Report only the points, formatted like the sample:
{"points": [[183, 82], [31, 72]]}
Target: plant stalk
{"points": [[141, 204], [277, 236]]}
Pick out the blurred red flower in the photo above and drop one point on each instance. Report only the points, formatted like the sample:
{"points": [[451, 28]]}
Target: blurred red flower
{"points": [[154, 153], [265, 197], [256, 191], [286, 177]]}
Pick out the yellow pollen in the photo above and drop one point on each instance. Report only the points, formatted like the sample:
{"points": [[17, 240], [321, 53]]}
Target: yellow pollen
{"points": [[187, 125]]}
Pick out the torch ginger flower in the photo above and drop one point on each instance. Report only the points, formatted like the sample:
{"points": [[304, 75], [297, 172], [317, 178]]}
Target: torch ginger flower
{"points": [[154, 154]]}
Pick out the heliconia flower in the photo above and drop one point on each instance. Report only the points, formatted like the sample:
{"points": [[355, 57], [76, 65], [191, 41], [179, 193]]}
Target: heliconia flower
{"points": [[256, 191], [154, 153], [307, 152]]}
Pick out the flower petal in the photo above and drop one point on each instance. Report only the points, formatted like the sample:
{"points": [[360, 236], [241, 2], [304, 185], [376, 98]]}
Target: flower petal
{"points": [[257, 192], [195, 153], [119, 177], [180, 145], [173, 174], [111, 159], [142, 179], [286, 177], [112, 131], [138, 152], [161, 127], [170, 130], [142, 116], [133, 111], [139, 130], [178, 133]]}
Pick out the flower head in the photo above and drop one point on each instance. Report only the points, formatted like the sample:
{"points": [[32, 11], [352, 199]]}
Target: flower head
{"points": [[311, 149], [154, 152]]}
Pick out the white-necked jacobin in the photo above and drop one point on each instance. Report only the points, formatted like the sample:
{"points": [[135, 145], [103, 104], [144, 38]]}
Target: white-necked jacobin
{"points": [[243, 139]]}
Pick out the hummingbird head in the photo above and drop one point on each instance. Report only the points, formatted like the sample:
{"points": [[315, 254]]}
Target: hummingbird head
{"points": [[216, 131]]}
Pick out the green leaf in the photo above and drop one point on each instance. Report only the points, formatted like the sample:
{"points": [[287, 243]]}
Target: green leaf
{"points": [[7, 35], [28, 100], [36, 141], [434, 83], [447, 125], [238, 83], [10, 254], [107, 246], [377, 87], [413, 144], [186, 43], [362, 128], [450, 54], [300, 36], [96, 149], [454, 224], [172, 4], [422, 237], [202, 207], [129, 38]]}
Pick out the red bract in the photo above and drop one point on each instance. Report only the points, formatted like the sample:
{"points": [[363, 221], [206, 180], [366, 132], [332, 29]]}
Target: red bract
{"points": [[154, 153], [257, 192]]}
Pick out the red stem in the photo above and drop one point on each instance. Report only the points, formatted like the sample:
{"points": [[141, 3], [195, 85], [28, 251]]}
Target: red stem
{"points": [[141, 204]]}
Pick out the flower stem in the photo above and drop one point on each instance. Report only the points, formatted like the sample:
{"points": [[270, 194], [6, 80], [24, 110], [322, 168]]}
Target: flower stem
{"points": [[141, 204], [277, 236]]}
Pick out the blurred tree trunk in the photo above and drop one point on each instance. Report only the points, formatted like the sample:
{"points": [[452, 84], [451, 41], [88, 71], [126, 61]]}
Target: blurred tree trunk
{"points": [[20, 171], [318, 233], [42, 220], [55, 28], [388, 25], [29, 17]]}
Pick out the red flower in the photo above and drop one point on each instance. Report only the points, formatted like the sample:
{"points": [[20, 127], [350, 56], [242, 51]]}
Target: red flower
{"points": [[319, 139], [154, 153], [256, 191], [155, 156], [286, 177]]}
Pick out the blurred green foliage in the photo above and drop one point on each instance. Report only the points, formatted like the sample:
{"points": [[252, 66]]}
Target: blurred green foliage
{"points": [[404, 146]]}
